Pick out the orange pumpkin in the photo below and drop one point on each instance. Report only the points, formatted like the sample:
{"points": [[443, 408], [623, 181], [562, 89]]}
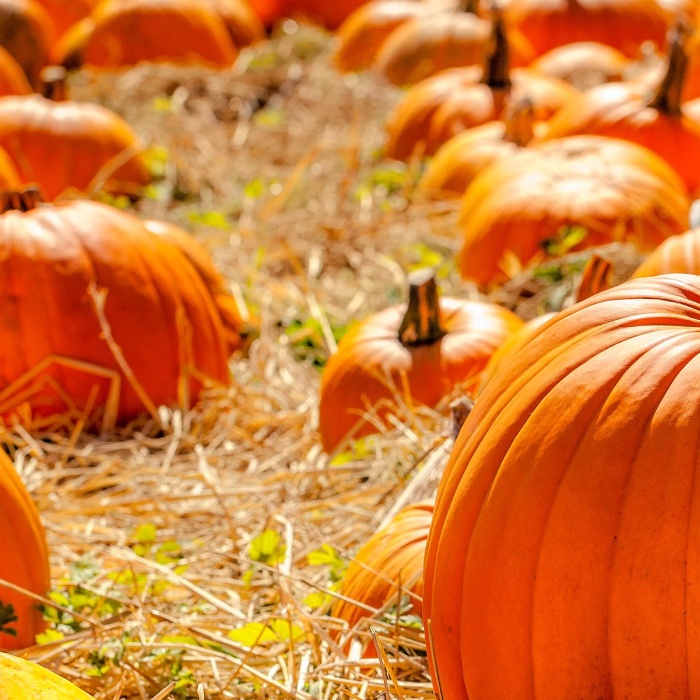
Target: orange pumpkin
{"points": [[27, 34], [24, 561], [583, 64], [622, 24], [243, 25], [360, 37], [626, 110], [87, 143], [460, 159], [418, 352], [435, 109], [29, 681], [532, 203], [65, 13], [328, 14], [268, 11], [214, 281], [679, 253], [12, 78], [54, 261], [562, 559], [128, 32], [391, 557]]}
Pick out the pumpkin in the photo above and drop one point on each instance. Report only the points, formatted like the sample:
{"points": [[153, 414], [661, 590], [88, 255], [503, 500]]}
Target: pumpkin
{"points": [[243, 25], [128, 32], [623, 24], [418, 352], [88, 143], [562, 559], [435, 109], [29, 681], [27, 34], [583, 64], [360, 37], [460, 159], [268, 11], [626, 110], [12, 78], [24, 562], [198, 255], [69, 50], [328, 14], [577, 193], [65, 13], [168, 336], [391, 557], [680, 253]]}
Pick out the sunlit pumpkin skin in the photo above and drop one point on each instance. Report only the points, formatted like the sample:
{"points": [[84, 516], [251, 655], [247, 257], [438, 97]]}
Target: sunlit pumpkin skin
{"points": [[128, 32], [82, 138], [360, 37], [679, 253], [583, 64], [25, 680], [562, 560], [24, 562], [653, 118], [159, 310], [27, 34], [69, 50], [460, 159], [615, 190], [329, 14], [13, 81], [452, 344], [241, 22], [269, 11], [622, 24], [65, 13], [391, 557], [198, 255]]}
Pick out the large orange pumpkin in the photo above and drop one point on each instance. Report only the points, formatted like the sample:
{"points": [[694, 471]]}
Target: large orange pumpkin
{"points": [[563, 560], [416, 352], [57, 360], [391, 557], [653, 118], [127, 32], [29, 681], [89, 145], [24, 561], [542, 197]]}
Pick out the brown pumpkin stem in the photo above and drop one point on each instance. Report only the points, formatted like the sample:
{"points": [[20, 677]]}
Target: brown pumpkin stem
{"points": [[497, 64], [53, 83], [23, 200], [519, 122], [667, 98], [422, 322]]}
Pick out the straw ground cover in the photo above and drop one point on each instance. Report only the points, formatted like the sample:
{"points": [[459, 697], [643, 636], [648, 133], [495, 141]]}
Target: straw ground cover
{"points": [[197, 553]]}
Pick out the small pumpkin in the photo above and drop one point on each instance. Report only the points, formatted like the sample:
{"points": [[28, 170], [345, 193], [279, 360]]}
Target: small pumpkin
{"points": [[562, 557], [29, 681], [680, 253], [578, 192], [54, 261], [128, 32], [391, 557], [655, 119], [90, 145], [419, 352], [24, 561], [65, 13]]}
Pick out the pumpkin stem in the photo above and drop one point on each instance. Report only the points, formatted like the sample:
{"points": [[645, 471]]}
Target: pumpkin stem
{"points": [[519, 121], [497, 64], [24, 200], [667, 98], [53, 83], [469, 6], [422, 323]]}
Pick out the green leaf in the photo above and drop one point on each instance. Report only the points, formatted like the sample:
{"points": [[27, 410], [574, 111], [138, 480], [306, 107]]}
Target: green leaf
{"points": [[49, 636], [145, 533], [267, 548], [274, 631], [214, 219]]}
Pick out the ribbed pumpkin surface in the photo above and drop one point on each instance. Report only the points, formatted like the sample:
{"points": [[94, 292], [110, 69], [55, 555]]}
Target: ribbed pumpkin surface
{"points": [[564, 557]]}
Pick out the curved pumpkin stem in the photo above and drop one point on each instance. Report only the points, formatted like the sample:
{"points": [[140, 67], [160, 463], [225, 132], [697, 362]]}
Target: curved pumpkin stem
{"points": [[422, 322], [519, 122], [53, 83], [497, 64], [25, 200], [667, 98]]}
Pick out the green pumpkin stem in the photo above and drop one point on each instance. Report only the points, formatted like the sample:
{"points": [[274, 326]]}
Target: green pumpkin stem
{"points": [[53, 83], [519, 122], [24, 200], [422, 322], [497, 63], [667, 98]]}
